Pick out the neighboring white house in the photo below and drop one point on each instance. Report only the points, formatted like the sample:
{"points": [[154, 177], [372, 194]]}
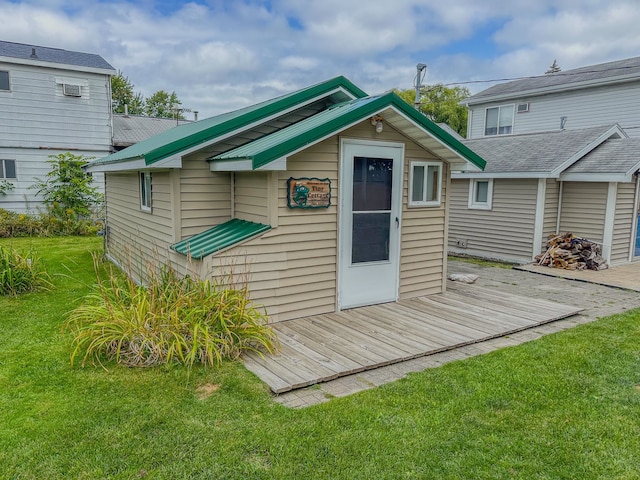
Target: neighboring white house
{"points": [[51, 101], [584, 97], [561, 156]]}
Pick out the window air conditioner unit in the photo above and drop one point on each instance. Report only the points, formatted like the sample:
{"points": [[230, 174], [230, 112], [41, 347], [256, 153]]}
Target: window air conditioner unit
{"points": [[523, 107], [71, 90]]}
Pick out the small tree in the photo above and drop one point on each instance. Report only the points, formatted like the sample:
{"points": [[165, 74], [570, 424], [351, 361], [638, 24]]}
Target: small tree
{"points": [[67, 190], [122, 94], [163, 104], [442, 105]]}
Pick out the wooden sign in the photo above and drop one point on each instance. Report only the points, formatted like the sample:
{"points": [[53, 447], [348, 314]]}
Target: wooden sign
{"points": [[308, 192]]}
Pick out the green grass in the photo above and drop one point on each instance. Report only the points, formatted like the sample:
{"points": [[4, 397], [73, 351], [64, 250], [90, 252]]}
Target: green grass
{"points": [[481, 261], [564, 407]]}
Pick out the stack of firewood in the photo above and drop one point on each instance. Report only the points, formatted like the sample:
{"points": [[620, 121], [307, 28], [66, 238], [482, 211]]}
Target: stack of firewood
{"points": [[572, 253]]}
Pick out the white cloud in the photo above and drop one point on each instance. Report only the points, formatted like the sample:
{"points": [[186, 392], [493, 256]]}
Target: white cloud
{"points": [[224, 55]]}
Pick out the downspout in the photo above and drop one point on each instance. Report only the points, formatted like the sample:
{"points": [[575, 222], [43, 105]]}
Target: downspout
{"points": [[561, 188], [634, 221]]}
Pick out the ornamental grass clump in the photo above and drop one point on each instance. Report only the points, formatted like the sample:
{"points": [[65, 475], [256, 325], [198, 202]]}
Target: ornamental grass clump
{"points": [[21, 274], [173, 319]]}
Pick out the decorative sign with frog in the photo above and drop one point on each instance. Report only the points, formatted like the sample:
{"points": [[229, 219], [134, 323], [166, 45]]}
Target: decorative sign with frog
{"points": [[308, 192]]}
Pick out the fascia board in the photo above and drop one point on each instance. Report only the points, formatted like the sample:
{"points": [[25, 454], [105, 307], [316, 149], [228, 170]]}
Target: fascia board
{"points": [[57, 66], [595, 177], [586, 149], [551, 89], [514, 175], [238, 165]]}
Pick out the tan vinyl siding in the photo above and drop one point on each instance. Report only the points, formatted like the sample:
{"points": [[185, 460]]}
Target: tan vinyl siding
{"points": [[583, 209], [550, 211], [251, 196], [293, 266], [623, 223], [504, 232], [136, 237], [205, 197]]}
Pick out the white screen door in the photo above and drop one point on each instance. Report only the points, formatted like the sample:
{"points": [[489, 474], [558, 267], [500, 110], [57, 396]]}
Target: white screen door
{"points": [[370, 202]]}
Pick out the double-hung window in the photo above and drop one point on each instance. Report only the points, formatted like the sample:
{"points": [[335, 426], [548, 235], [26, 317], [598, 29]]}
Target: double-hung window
{"points": [[480, 194], [4, 80], [7, 169], [145, 191], [499, 120], [425, 183]]}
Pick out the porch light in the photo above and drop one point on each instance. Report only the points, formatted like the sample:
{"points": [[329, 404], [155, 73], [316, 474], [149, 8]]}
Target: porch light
{"points": [[376, 121]]}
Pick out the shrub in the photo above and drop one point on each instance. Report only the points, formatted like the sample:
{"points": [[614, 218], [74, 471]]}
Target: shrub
{"points": [[14, 224], [68, 192], [172, 320], [21, 274]]}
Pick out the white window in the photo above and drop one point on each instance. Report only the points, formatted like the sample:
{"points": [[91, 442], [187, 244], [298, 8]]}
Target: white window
{"points": [[424, 184], [499, 120], [7, 169], [145, 191], [480, 194], [4, 80]]}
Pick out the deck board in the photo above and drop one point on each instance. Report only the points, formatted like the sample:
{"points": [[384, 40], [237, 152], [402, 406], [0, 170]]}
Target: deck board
{"points": [[323, 347]]}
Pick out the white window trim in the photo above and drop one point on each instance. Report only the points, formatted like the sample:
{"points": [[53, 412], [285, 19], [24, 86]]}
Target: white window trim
{"points": [[473, 205], [426, 165], [513, 120], [142, 176]]}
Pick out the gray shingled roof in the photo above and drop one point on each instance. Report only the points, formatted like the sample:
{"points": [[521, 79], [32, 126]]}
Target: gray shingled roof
{"points": [[131, 129], [620, 155], [535, 153], [53, 55], [601, 73]]}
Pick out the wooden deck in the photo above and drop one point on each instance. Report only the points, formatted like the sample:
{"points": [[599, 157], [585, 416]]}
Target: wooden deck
{"points": [[323, 347]]}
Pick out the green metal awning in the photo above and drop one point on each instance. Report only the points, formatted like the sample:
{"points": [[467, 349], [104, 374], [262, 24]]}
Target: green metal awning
{"points": [[219, 237]]}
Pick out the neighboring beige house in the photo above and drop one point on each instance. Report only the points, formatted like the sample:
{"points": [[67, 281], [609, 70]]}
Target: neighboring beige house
{"points": [[583, 181], [551, 165], [327, 197]]}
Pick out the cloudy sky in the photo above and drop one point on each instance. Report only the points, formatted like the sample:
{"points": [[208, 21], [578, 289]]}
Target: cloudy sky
{"points": [[219, 55]]}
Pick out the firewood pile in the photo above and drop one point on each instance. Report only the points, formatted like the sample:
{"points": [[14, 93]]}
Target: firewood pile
{"points": [[572, 253]]}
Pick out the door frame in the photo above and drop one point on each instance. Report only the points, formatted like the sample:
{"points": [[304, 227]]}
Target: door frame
{"points": [[397, 197]]}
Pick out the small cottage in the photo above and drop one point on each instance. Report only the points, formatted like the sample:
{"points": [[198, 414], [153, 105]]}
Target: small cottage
{"points": [[583, 181], [325, 198]]}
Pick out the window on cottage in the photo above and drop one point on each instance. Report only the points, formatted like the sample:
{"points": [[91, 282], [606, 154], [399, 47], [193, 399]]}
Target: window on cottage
{"points": [[145, 191], [4, 80], [425, 180], [480, 194], [7, 169], [499, 120]]}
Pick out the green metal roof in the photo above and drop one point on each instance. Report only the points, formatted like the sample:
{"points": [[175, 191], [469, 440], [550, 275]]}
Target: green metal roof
{"points": [[295, 137], [219, 237], [183, 137]]}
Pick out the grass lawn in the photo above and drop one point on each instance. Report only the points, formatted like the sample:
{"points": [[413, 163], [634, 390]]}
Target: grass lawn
{"points": [[566, 406]]}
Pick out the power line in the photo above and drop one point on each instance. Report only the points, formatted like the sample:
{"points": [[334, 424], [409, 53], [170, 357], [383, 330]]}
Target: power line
{"points": [[557, 74]]}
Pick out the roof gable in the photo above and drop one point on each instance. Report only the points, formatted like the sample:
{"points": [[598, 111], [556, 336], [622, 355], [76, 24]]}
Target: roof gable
{"points": [[180, 140], [312, 130], [583, 77], [35, 54], [614, 160], [538, 155]]}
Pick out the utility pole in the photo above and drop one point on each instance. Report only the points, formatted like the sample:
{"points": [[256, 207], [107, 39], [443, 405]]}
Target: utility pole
{"points": [[421, 72]]}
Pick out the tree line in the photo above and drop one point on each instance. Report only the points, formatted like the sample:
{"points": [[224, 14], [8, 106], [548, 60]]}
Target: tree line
{"points": [[160, 104]]}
